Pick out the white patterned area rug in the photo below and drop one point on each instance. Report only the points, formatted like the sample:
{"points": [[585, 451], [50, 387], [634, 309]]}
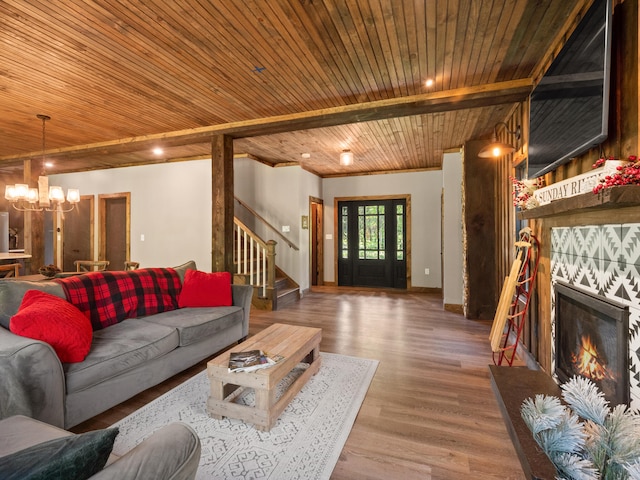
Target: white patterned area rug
{"points": [[305, 442]]}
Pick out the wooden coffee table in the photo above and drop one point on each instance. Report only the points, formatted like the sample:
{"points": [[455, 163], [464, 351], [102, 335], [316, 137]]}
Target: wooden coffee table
{"points": [[295, 344]]}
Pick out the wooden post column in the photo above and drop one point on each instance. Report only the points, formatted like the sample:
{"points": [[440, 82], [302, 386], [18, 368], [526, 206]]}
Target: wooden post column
{"points": [[222, 203], [33, 227], [479, 205]]}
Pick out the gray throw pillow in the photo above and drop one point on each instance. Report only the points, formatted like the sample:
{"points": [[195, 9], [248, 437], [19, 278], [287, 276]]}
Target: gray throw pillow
{"points": [[76, 457], [12, 291], [182, 269]]}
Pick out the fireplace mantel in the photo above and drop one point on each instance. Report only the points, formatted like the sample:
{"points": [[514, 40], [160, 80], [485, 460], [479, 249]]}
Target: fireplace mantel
{"points": [[614, 197], [511, 386]]}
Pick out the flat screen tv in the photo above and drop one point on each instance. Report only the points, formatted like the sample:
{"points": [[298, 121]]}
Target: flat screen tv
{"points": [[570, 106]]}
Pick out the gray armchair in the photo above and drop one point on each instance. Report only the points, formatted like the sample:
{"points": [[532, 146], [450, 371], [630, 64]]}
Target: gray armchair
{"points": [[170, 453]]}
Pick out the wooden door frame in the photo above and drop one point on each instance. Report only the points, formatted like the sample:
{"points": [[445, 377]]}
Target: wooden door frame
{"points": [[102, 222], [319, 243], [58, 238], [407, 213]]}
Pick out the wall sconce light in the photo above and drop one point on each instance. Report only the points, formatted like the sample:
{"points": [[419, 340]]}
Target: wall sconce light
{"points": [[346, 157], [498, 149]]}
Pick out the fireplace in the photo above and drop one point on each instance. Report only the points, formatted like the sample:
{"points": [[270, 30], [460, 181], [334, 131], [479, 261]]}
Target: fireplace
{"points": [[592, 341]]}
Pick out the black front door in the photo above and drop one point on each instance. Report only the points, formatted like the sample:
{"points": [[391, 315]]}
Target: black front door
{"points": [[372, 243]]}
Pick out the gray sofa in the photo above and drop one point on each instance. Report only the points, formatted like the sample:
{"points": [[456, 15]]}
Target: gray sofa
{"points": [[172, 452], [124, 359]]}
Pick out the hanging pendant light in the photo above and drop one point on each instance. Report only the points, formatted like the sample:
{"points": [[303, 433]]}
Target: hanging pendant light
{"points": [[50, 199]]}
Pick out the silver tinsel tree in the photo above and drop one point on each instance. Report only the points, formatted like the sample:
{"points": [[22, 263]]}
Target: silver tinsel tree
{"points": [[586, 440]]}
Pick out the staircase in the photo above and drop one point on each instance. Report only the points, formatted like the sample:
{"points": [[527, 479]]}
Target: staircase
{"points": [[287, 291], [255, 265]]}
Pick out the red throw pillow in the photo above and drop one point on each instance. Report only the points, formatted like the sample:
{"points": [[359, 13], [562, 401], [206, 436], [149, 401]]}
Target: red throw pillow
{"points": [[201, 289], [52, 319]]}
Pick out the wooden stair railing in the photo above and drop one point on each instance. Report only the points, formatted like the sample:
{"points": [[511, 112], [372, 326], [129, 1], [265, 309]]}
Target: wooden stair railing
{"points": [[254, 257], [255, 260], [256, 215]]}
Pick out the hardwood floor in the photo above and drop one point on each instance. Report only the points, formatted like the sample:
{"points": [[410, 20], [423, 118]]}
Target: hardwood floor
{"points": [[430, 412]]}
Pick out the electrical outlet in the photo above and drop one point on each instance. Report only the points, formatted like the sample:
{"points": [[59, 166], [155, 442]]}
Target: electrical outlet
{"points": [[286, 228], [142, 237], [426, 271]]}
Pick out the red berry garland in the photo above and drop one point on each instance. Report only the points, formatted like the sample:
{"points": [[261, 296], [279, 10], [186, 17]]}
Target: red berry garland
{"points": [[523, 192], [625, 175]]}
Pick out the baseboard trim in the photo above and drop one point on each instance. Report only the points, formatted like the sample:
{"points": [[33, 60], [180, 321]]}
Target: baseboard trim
{"points": [[425, 290], [455, 308], [408, 289]]}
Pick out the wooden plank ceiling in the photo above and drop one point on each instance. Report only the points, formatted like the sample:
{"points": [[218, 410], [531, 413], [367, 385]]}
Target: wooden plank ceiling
{"points": [[283, 77]]}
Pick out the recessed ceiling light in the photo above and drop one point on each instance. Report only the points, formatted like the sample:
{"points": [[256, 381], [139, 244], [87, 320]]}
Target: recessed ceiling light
{"points": [[429, 82], [306, 155], [48, 164], [158, 151]]}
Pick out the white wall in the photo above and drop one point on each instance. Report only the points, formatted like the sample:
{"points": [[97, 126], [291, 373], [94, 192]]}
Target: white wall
{"points": [[453, 281], [310, 186], [425, 189], [170, 206], [281, 197]]}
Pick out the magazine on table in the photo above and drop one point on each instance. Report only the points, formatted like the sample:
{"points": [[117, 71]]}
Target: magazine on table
{"points": [[251, 360]]}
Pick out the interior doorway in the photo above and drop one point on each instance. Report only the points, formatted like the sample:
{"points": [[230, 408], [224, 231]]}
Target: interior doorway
{"points": [[77, 229], [316, 269], [114, 212]]}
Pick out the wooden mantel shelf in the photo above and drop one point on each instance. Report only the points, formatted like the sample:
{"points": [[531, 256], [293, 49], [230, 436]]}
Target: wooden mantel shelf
{"points": [[614, 197], [511, 386]]}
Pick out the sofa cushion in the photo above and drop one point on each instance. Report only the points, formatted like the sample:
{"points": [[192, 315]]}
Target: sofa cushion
{"points": [[111, 297], [181, 270], [18, 432], [53, 320], [12, 291], [195, 324], [202, 289], [75, 457], [119, 348]]}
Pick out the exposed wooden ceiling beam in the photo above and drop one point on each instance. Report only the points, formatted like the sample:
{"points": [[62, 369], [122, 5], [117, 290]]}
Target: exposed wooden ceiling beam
{"points": [[449, 100]]}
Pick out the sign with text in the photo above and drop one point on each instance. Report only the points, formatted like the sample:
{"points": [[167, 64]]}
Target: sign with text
{"points": [[570, 187]]}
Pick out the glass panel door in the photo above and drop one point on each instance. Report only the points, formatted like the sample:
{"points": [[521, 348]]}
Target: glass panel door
{"points": [[372, 243]]}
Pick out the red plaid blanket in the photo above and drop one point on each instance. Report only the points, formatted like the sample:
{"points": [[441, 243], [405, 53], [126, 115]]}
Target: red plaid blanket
{"points": [[107, 298]]}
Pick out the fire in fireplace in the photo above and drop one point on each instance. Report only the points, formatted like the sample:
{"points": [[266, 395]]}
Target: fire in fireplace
{"points": [[592, 341], [588, 361]]}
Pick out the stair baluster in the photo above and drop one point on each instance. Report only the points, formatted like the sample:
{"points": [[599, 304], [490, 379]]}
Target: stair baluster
{"points": [[253, 261], [256, 264]]}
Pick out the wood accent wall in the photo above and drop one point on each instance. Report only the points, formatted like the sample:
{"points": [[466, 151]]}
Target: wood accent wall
{"points": [[505, 215], [623, 141], [489, 218]]}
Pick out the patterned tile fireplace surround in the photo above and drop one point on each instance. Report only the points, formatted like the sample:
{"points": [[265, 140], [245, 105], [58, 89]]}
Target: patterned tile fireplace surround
{"points": [[602, 260]]}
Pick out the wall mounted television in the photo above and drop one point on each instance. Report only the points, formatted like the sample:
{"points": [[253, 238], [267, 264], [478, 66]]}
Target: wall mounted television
{"points": [[570, 106]]}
